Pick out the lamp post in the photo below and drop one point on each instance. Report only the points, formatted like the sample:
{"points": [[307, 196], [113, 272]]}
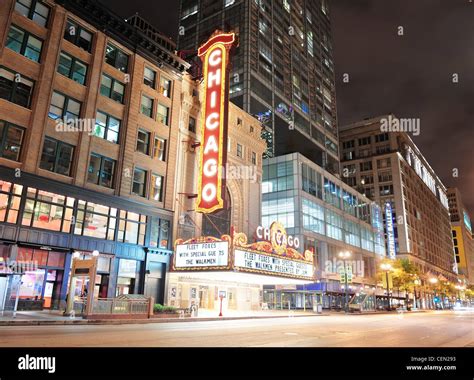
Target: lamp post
{"points": [[387, 268], [433, 280], [416, 282], [345, 255]]}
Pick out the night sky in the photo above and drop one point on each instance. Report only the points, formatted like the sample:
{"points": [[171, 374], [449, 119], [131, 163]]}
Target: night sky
{"points": [[410, 75]]}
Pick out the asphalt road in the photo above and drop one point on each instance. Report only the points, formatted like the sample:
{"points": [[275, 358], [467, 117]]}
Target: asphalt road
{"points": [[428, 329]]}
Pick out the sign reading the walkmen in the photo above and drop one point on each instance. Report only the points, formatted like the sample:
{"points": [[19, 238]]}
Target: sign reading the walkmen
{"points": [[199, 255], [215, 55], [253, 261]]}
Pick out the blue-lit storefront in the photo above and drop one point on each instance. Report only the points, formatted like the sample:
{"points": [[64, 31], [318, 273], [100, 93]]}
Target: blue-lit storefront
{"points": [[44, 224]]}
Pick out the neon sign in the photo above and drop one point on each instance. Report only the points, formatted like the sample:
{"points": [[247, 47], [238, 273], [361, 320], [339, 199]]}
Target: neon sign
{"points": [[214, 55]]}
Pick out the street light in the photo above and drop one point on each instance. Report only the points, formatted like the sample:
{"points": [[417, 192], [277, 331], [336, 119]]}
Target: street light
{"points": [[387, 268], [416, 282], [433, 281], [345, 255]]}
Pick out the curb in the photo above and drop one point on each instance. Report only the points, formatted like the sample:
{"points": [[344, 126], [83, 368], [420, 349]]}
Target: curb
{"points": [[138, 321]]}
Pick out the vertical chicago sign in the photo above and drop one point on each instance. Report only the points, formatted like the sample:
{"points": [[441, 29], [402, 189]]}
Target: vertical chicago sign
{"points": [[215, 56]]}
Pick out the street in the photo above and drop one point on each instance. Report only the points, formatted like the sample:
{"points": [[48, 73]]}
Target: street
{"points": [[425, 329]]}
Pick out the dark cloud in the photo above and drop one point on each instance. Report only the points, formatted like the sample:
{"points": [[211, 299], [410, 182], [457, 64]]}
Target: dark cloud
{"points": [[410, 76]]}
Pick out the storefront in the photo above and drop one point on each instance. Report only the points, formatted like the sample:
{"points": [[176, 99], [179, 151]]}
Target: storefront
{"points": [[206, 270], [42, 229]]}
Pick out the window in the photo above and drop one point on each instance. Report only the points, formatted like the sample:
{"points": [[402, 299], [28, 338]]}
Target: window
{"points": [[139, 182], [33, 9], [383, 163], [11, 138], [385, 177], [364, 141], [160, 232], [254, 158], [165, 87], [77, 35], [149, 77], [386, 190], [313, 217], [101, 170], [146, 107], [10, 199], [157, 187], [239, 151], [64, 107], [159, 149], [112, 88], [382, 149], [365, 166], [15, 88], [132, 227], [95, 220], [381, 137], [116, 58], [72, 68], [163, 114], [24, 43], [57, 156], [348, 144], [143, 141], [192, 124], [48, 211], [107, 127]]}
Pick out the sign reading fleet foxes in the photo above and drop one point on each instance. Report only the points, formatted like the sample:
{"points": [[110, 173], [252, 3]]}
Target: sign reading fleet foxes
{"points": [[214, 55], [212, 254]]}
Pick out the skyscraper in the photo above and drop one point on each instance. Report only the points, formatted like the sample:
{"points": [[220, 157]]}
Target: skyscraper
{"points": [[282, 72], [390, 169]]}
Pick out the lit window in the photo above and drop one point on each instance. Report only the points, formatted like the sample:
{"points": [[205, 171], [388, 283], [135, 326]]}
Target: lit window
{"points": [[34, 10], [24, 43], [107, 127], [116, 58], [163, 114], [157, 187], [139, 182], [72, 68], [159, 149], [112, 88]]}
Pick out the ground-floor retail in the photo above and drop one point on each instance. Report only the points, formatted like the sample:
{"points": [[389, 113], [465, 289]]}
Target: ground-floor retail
{"points": [[242, 292]]}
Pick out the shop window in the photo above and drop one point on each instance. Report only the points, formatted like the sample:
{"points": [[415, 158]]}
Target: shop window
{"points": [[160, 233], [24, 43], [95, 220], [15, 88], [107, 127], [57, 156], [78, 35], [116, 58], [48, 211], [11, 139], [40, 257], [112, 88], [132, 228], [72, 68], [34, 10], [10, 199], [56, 259]]}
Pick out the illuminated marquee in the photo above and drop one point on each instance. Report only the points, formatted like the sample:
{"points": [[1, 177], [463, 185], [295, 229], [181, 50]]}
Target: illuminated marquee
{"points": [[214, 55]]}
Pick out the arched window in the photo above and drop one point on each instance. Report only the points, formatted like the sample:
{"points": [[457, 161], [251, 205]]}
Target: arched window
{"points": [[218, 223]]}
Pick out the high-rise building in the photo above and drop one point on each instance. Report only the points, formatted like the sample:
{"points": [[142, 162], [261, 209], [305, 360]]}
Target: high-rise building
{"points": [[282, 70], [462, 235], [390, 169], [89, 118]]}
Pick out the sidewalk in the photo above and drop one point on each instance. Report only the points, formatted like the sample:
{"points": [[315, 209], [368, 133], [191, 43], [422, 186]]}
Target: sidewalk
{"points": [[32, 318]]}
